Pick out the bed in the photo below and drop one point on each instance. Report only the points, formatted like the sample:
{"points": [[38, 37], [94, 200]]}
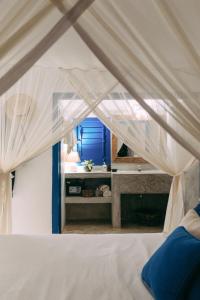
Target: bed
{"points": [[75, 267]]}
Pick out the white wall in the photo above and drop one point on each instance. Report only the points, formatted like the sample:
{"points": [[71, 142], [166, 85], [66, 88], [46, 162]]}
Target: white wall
{"points": [[192, 185], [31, 204]]}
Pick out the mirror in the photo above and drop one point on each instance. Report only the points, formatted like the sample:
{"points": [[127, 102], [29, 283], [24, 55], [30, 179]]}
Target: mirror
{"points": [[124, 154]]}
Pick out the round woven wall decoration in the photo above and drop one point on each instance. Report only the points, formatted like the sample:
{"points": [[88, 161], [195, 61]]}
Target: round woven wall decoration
{"points": [[19, 105]]}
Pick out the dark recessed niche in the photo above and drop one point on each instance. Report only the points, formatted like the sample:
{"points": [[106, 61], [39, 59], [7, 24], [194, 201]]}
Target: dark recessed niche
{"points": [[143, 209]]}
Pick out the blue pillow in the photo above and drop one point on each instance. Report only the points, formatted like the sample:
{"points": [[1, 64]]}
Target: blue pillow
{"points": [[194, 288], [171, 268]]}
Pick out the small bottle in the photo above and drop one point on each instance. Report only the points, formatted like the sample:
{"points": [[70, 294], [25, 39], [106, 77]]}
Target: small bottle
{"points": [[97, 192], [108, 168], [104, 167]]}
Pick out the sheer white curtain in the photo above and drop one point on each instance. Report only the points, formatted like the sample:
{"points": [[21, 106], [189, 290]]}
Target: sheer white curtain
{"points": [[146, 137], [136, 128], [150, 58], [143, 135], [32, 118], [150, 47]]}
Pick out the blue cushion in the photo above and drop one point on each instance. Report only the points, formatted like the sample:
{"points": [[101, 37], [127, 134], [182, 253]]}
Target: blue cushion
{"points": [[169, 271], [194, 288], [197, 209]]}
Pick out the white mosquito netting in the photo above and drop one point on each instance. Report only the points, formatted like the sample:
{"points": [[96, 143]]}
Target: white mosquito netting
{"points": [[145, 51]]}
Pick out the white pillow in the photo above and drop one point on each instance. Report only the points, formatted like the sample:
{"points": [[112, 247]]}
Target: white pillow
{"points": [[191, 222]]}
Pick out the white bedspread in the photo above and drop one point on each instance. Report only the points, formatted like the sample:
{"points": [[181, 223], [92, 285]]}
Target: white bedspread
{"points": [[75, 267]]}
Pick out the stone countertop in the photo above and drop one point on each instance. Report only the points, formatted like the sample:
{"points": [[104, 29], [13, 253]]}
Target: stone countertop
{"points": [[139, 172], [92, 174], [105, 174]]}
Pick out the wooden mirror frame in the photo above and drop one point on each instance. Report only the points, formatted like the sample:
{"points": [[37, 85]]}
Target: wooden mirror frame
{"points": [[125, 159]]}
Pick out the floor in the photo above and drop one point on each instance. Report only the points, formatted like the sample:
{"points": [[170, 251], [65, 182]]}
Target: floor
{"points": [[98, 228]]}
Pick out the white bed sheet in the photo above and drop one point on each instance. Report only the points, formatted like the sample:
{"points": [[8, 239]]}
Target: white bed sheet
{"points": [[75, 267]]}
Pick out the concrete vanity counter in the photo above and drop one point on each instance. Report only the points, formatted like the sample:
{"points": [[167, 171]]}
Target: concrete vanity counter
{"points": [[136, 182], [123, 182]]}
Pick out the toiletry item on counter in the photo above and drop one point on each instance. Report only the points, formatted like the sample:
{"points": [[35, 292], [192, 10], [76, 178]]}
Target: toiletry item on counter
{"points": [[104, 167], [107, 193], [98, 193], [104, 187], [108, 168]]}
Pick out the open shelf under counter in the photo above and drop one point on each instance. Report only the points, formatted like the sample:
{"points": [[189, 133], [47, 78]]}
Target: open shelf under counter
{"points": [[82, 200]]}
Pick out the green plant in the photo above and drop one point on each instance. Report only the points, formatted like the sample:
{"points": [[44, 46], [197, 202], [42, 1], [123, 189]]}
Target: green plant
{"points": [[88, 164]]}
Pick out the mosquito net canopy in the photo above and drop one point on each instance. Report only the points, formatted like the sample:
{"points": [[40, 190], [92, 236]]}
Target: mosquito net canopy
{"points": [[145, 53]]}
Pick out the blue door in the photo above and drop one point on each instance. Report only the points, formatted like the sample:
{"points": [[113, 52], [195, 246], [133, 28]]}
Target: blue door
{"points": [[93, 141]]}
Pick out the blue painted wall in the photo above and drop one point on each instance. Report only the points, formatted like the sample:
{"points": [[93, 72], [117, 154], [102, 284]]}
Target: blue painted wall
{"points": [[56, 188]]}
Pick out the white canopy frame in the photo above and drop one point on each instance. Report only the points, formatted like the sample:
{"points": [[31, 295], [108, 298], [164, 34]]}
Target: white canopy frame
{"points": [[26, 62]]}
